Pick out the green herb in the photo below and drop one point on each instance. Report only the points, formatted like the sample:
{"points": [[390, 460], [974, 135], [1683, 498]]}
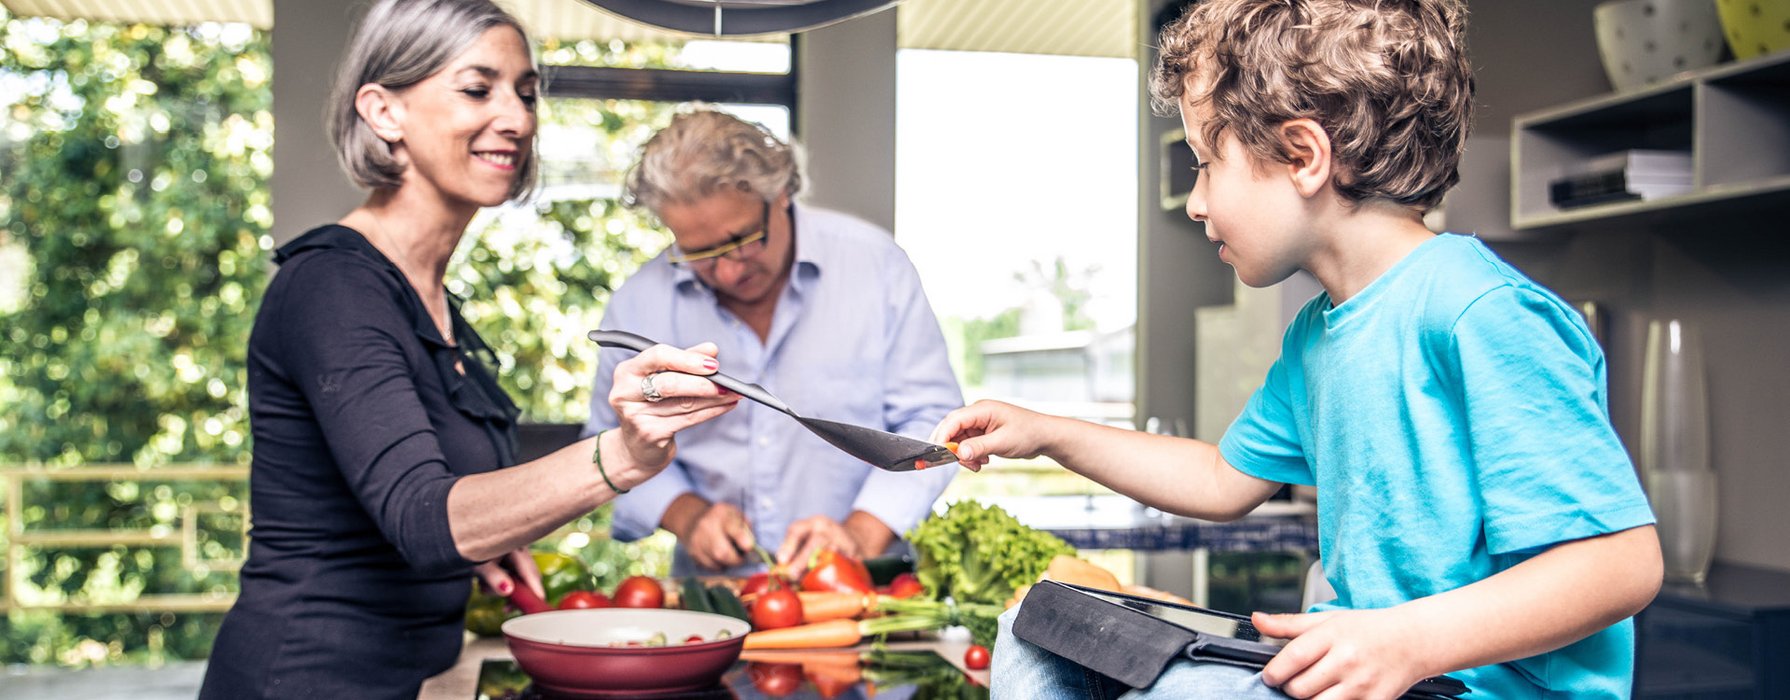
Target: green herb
{"points": [[979, 618]]}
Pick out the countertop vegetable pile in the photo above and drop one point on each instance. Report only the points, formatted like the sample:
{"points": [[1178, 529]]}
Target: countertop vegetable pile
{"points": [[972, 561], [976, 556]]}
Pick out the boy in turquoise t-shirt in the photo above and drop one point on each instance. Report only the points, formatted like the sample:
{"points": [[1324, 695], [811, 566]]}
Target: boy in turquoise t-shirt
{"points": [[1477, 513]]}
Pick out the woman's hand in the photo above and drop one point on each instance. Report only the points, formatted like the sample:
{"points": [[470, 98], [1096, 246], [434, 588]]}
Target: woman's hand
{"points": [[660, 392], [987, 429], [1342, 654], [498, 577]]}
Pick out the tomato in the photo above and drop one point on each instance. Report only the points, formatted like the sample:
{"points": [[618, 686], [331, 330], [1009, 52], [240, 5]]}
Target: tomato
{"points": [[582, 600], [694, 639], [833, 572], [639, 592], [829, 686], [779, 607], [775, 680], [975, 658], [906, 585], [762, 581]]}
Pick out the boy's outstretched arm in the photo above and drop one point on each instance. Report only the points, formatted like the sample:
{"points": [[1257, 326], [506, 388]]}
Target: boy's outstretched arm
{"points": [[1556, 598], [1177, 475]]}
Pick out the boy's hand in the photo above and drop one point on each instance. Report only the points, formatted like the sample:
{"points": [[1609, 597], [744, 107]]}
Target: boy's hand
{"points": [[986, 429], [1342, 654]]}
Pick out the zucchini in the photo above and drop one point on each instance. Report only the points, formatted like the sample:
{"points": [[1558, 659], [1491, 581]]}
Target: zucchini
{"points": [[695, 596], [726, 603]]}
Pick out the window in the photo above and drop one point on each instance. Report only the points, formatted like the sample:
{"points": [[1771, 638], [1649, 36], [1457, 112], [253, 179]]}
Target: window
{"points": [[1019, 206], [541, 271]]}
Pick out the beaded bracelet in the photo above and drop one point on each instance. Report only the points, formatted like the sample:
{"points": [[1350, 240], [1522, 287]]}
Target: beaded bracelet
{"points": [[597, 458]]}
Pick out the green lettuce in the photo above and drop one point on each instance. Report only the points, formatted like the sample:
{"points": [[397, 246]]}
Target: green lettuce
{"points": [[980, 554]]}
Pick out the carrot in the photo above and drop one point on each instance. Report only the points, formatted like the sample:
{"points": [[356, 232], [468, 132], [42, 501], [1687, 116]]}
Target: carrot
{"points": [[822, 635], [843, 633], [820, 607]]}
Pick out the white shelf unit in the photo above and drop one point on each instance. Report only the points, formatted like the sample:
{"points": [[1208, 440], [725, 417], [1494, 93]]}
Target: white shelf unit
{"points": [[1734, 119]]}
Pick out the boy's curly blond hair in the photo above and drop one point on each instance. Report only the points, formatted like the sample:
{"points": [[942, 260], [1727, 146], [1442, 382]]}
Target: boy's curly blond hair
{"points": [[1389, 81]]}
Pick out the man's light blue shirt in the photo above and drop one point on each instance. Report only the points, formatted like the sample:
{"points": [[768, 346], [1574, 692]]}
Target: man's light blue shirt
{"points": [[853, 339], [1454, 417]]}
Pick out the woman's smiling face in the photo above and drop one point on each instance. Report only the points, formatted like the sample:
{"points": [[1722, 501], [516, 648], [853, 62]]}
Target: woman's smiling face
{"points": [[469, 128]]}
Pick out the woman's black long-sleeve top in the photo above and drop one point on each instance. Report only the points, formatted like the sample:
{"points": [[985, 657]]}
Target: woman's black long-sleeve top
{"points": [[353, 587]]}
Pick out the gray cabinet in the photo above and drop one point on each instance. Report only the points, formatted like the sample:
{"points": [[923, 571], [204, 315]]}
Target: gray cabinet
{"points": [[1726, 640], [1733, 119]]}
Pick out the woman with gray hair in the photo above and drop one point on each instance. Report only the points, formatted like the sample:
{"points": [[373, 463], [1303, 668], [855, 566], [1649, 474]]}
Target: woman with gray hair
{"points": [[384, 471]]}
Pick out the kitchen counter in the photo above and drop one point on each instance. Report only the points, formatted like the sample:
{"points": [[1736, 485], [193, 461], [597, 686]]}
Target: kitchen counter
{"points": [[461, 681], [1116, 522]]}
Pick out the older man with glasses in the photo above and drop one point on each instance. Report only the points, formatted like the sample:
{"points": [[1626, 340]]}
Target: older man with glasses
{"points": [[822, 309]]}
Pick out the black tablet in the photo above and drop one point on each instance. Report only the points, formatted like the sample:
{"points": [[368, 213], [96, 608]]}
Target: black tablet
{"points": [[1197, 619], [1132, 639]]}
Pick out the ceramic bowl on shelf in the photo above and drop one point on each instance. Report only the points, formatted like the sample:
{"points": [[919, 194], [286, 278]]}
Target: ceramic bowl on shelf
{"points": [[1643, 42], [1755, 27]]}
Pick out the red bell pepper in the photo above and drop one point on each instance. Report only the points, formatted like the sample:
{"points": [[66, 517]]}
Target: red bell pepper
{"points": [[830, 571]]}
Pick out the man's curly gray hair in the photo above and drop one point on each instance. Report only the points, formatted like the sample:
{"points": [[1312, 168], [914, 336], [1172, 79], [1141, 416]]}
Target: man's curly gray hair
{"points": [[705, 151]]}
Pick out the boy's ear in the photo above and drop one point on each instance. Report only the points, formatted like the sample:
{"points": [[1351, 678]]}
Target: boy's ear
{"points": [[1307, 146], [381, 110]]}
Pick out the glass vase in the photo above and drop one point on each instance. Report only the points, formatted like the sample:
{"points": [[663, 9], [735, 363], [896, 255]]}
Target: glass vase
{"points": [[1685, 504], [1675, 449]]}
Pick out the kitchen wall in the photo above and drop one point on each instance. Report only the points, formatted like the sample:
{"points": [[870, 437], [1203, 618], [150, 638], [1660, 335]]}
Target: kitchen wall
{"points": [[307, 188], [1730, 275], [847, 124]]}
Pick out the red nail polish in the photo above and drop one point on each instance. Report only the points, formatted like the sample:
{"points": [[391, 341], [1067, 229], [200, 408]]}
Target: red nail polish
{"points": [[710, 364], [504, 588]]}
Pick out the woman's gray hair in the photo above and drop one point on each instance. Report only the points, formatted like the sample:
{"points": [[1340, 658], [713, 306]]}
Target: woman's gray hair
{"points": [[706, 151], [401, 43]]}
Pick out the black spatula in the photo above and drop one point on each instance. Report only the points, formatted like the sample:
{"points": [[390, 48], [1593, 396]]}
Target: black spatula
{"points": [[884, 450]]}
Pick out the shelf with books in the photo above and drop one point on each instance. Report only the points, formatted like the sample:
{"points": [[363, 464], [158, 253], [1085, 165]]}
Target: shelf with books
{"points": [[1732, 122]]}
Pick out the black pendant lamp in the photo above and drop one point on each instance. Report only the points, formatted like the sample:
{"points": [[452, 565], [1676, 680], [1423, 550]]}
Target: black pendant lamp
{"points": [[741, 17]]}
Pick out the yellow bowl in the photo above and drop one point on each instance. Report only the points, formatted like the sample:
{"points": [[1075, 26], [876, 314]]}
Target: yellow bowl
{"points": [[1755, 27]]}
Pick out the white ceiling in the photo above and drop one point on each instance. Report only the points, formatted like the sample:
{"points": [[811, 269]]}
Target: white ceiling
{"points": [[1061, 27], [256, 12]]}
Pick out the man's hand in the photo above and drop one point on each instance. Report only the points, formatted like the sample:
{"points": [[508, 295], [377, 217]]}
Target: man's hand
{"points": [[862, 535], [810, 535], [1343, 654], [719, 538]]}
